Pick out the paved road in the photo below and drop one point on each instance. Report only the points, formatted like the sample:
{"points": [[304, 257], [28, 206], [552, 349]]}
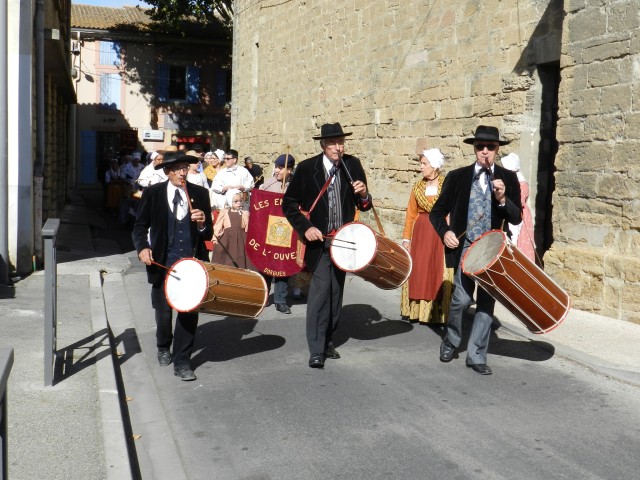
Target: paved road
{"points": [[387, 409]]}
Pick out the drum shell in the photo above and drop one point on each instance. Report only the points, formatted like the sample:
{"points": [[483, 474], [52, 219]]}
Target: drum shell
{"points": [[227, 290], [390, 265], [520, 285]]}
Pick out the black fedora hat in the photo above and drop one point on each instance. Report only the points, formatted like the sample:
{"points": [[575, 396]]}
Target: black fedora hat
{"points": [[171, 158], [331, 130], [486, 134]]}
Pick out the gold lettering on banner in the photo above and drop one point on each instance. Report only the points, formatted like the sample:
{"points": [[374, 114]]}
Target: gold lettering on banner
{"points": [[279, 232]]}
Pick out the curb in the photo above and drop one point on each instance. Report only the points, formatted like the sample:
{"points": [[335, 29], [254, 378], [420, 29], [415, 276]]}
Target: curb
{"points": [[116, 454], [589, 361]]}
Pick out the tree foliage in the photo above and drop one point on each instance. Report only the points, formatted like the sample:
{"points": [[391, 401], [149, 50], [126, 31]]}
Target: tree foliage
{"points": [[171, 13]]}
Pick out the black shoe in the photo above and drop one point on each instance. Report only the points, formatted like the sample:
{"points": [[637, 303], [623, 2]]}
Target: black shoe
{"points": [[481, 368], [283, 308], [164, 357], [316, 360], [185, 373], [446, 350], [332, 353]]}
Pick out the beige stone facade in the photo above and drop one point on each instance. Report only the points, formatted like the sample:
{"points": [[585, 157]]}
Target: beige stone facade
{"points": [[560, 79]]}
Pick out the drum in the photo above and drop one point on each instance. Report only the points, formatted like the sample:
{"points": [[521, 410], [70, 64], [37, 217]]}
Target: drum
{"points": [[193, 285], [516, 282], [356, 248]]}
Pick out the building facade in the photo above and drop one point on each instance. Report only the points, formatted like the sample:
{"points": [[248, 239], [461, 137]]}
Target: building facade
{"points": [[559, 78], [40, 94], [141, 89]]}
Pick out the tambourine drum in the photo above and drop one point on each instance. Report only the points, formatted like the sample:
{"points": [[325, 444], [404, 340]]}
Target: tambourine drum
{"points": [[516, 282], [193, 285], [356, 248]]}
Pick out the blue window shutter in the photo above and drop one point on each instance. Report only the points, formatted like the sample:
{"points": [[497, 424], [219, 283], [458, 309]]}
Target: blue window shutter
{"points": [[88, 168], [193, 84], [220, 87], [162, 79]]}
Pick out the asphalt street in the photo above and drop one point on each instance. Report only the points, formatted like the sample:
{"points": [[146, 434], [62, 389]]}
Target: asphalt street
{"points": [[387, 409]]}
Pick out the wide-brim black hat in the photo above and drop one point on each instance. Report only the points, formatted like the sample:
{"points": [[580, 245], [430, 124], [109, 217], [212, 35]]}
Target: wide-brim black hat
{"points": [[331, 130], [171, 158], [485, 133]]}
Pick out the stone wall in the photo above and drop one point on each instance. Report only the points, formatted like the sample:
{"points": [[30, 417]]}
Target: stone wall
{"points": [[403, 74], [597, 217]]}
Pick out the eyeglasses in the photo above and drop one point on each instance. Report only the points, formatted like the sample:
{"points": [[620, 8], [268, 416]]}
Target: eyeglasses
{"points": [[179, 169], [229, 158], [481, 146]]}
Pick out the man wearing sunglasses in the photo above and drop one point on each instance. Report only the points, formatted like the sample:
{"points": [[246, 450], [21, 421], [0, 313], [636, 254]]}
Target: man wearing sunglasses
{"points": [[477, 198]]}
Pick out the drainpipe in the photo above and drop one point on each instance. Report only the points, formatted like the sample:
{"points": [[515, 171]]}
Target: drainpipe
{"points": [[38, 164], [4, 153]]}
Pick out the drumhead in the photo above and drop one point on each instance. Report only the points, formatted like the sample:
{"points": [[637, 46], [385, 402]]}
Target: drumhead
{"points": [[186, 285], [353, 247], [483, 252]]}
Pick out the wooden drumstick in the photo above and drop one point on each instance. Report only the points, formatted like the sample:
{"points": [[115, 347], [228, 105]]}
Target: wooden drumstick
{"points": [[328, 237], [471, 226], [162, 266], [184, 187], [286, 163]]}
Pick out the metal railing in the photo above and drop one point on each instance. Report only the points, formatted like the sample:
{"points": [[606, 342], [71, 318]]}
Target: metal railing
{"points": [[49, 234], [6, 362]]}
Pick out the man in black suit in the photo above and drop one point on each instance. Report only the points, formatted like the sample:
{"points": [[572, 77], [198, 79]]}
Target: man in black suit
{"points": [[478, 198], [176, 230], [346, 189]]}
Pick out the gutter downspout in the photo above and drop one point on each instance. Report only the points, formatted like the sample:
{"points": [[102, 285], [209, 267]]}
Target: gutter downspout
{"points": [[38, 164], [4, 145]]}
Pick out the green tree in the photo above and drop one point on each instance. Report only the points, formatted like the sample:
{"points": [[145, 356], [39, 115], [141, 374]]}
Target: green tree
{"points": [[171, 13]]}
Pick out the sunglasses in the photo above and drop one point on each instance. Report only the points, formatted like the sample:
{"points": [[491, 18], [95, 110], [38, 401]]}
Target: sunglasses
{"points": [[481, 146]]}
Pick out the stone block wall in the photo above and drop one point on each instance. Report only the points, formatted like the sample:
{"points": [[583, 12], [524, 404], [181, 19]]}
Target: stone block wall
{"points": [[596, 218], [403, 74]]}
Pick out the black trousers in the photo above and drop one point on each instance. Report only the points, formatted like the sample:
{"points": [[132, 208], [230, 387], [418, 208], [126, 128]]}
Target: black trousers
{"points": [[185, 330], [324, 304]]}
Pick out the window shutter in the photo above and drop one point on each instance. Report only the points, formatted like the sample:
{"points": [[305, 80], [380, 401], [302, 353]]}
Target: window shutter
{"points": [[162, 82], [109, 53], [88, 167], [193, 84]]}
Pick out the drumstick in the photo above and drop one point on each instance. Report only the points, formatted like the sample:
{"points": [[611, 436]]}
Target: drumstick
{"points": [[286, 162], [328, 237], [184, 185], [471, 226], [162, 266]]}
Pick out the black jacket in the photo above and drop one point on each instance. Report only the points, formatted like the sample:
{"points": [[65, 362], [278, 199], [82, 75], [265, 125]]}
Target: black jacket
{"points": [[308, 179], [454, 201], [153, 214]]}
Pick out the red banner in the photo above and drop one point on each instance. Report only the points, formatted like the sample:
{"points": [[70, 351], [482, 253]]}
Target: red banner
{"points": [[271, 240]]}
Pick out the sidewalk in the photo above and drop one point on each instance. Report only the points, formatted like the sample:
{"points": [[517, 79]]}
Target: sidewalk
{"points": [[75, 429]]}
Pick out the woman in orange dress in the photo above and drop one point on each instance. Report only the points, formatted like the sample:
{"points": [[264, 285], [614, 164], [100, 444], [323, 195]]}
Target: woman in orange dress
{"points": [[426, 296]]}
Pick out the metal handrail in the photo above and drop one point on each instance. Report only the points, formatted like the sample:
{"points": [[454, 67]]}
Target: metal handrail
{"points": [[49, 234], [6, 362]]}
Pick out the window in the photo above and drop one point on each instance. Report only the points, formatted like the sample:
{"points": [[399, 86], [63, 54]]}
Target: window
{"points": [[109, 53], [178, 83], [110, 91]]}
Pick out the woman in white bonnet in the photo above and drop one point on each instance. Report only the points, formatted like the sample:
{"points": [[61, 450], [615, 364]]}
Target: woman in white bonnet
{"points": [[521, 235], [426, 296]]}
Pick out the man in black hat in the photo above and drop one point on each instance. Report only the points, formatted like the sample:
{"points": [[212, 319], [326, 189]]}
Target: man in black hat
{"points": [[478, 198], [169, 226], [346, 190]]}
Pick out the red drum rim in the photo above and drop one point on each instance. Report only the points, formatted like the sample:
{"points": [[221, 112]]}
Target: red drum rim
{"points": [[166, 281], [375, 237], [493, 259]]}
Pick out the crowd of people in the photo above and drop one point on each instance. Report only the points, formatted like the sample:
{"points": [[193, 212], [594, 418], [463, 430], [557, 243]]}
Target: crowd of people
{"points": [[444, 216]]}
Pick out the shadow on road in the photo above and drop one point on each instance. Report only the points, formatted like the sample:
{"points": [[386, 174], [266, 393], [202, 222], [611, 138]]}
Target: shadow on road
{"points": [[222, 340]]}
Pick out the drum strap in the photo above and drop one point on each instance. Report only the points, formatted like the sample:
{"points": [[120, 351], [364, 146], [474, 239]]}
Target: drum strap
{"points": [[375, 214]]}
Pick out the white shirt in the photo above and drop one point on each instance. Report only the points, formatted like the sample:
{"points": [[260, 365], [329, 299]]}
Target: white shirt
{"points": [[183, 207], [483, 178], [150, 176], [231, 176], [328, 165]]}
